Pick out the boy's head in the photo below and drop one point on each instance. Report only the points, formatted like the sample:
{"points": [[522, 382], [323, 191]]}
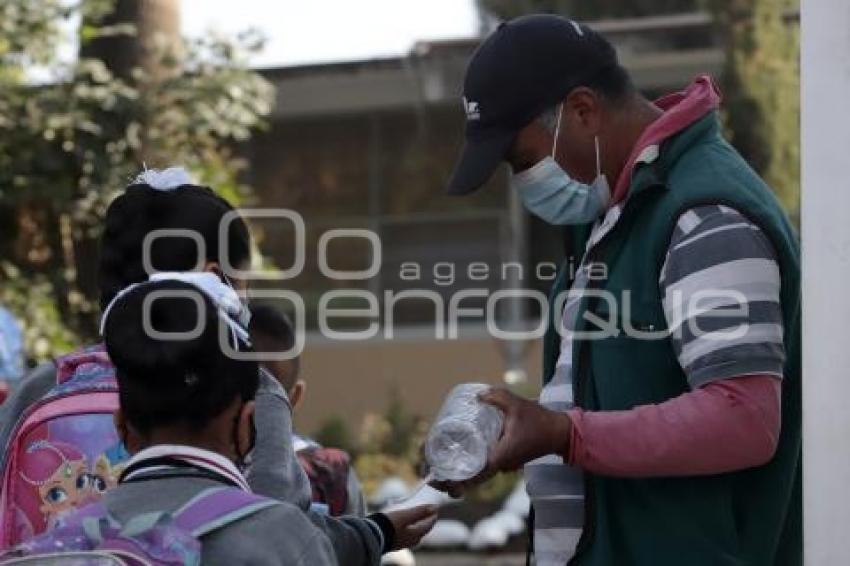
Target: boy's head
{"points": [[271, 331]]}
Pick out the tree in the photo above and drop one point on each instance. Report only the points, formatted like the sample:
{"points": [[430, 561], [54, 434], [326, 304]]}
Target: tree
{"points": [[67, 146], [760, 83], [761, 86], [142, 34]]}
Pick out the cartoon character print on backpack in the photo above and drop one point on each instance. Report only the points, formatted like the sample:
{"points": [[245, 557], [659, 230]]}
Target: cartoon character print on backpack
{"points": [[65, 451], [55, 477], [156, 538], [105, 472]]}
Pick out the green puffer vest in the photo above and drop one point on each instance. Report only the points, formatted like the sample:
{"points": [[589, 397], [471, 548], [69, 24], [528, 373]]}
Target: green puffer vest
{"points": [[747, 518]]}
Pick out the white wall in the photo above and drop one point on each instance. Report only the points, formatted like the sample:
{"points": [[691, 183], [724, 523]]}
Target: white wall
{"points": [[826, 279]]}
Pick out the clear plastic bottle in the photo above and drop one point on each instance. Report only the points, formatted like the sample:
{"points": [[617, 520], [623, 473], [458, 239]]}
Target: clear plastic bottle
{"points": [[463, 432]]}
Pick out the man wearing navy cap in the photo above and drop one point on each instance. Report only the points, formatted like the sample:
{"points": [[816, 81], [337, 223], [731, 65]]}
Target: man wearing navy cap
{"points": [[668, 428]]}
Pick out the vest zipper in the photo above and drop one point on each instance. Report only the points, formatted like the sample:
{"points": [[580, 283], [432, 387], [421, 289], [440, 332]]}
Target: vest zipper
{"points": [[588, 530], [581, 370]]}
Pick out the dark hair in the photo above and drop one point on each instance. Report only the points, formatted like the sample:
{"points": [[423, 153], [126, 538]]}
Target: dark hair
{"points": [[271, 330], [163, 382], [613, 83], [140, 210]]}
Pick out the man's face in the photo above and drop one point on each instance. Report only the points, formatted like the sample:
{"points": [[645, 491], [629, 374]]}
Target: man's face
{"points": [[533, 143], [575, 150]]}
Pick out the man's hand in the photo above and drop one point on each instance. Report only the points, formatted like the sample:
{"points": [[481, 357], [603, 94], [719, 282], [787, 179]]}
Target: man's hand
{"points": [[411, 524], [530, 431]]}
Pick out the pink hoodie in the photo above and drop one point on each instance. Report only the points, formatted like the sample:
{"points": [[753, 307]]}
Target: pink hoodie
{"points": [[681, 109], [727, 425]]}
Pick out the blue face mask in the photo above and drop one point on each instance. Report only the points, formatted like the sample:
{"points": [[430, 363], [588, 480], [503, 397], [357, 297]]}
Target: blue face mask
{"points": [[549, 192]]}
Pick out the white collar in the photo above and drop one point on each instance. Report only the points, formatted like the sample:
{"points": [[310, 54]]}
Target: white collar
{"points": [[198, 457]]}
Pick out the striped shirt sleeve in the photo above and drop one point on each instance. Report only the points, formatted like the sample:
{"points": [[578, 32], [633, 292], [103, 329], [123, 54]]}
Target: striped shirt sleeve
{"points": [[720, 284]]}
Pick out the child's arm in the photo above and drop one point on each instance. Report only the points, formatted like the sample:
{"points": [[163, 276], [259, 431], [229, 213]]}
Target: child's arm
{"points": [[356, 504], [275, 471]]}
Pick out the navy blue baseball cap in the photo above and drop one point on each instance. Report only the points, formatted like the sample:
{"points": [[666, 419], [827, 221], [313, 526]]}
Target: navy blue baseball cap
{"points": [[525, 66]]}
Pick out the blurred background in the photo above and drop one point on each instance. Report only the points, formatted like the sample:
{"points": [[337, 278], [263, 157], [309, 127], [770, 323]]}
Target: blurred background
{"points": [[349, 113]]}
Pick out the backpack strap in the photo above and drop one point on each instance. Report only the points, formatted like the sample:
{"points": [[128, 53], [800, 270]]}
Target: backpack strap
{"points": [[218, 507], [66, 366]]}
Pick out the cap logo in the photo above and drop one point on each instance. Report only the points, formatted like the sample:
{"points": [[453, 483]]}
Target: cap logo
{"points": [[473, 111], [577, 28]]}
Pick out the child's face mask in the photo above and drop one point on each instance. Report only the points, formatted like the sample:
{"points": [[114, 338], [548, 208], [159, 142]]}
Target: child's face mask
{"points": [[243, 317]]}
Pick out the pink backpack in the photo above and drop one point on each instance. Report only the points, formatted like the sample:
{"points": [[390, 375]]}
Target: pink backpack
{"points": [[64, 451], [92, 537]]}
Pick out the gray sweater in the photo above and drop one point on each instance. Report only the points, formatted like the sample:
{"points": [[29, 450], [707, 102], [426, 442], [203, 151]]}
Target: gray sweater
{"points": [[274, 470], [276, 536]]}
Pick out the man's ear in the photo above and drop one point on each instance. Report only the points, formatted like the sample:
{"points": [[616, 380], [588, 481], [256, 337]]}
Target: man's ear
{"points": [[296, 394], [582, 109], [245, 429]]}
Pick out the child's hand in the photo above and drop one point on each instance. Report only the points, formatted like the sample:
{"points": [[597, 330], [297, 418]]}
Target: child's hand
{"points": [[412, 524]]}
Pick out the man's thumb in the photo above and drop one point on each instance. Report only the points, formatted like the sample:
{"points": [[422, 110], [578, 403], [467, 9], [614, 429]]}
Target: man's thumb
{"points": [[497, 396]]}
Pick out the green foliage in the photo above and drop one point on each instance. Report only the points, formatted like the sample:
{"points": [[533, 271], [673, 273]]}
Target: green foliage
{"points": [[66, 147], [404, 427], [31, 299], [396, 432], [333, 432], [495, 489], [762, 89], [389, 444], [27, 33], [373, 468]]}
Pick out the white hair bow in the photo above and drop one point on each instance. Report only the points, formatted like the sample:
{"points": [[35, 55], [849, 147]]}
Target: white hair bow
{"points": [[230, 307], [164, 179]]}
